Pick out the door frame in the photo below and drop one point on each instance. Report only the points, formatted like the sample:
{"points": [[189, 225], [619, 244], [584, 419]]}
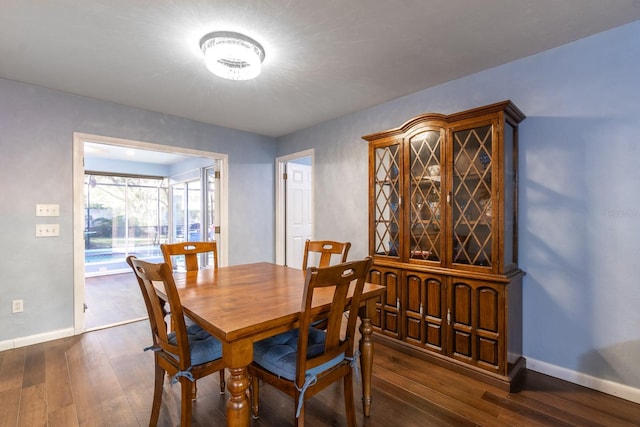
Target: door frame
{"points": [[78, 206], [281, 200]]}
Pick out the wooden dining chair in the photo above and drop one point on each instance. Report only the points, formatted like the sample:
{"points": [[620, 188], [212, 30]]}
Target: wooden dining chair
{"points": [[306, 360], [191, 251], [326, 249], [187, 354]]}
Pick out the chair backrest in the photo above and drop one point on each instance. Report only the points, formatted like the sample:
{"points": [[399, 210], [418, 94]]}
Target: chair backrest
{"points": [[190, 251], [147, 273], [326, 249], [342, 277]]}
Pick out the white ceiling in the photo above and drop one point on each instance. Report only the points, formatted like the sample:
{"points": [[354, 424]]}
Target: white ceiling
{"points": [[131, 154], [324, 58]]}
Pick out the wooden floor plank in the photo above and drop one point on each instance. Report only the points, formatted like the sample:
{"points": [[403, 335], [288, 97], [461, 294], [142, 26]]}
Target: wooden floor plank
{"points": [[540, 413], [10, 406], [12, 369], [511, 409], [421, 409], [435, 383], [578, 401], [33, 406], [63, 417], [97, 392], [34, 366], [433, 401], [59, 393]]}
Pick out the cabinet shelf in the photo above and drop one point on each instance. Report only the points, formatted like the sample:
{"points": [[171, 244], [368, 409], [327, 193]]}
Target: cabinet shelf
{"points": [[428, 179], [475, 223], [426, 223], [471, 176]]}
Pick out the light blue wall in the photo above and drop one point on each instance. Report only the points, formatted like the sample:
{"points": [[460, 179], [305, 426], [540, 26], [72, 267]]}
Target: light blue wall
{"points": [[36, 134], [579, 179]]}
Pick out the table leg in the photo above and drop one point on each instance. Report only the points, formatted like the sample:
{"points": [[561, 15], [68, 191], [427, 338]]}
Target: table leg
{"points": [[237, 356], [238, 404], [366, 362]]}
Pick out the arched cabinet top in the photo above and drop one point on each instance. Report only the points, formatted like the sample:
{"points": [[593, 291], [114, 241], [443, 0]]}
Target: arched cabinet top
{"points": [[512, 114]]}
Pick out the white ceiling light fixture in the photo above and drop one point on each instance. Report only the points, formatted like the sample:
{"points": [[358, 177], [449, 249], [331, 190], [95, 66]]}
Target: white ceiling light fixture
{"points": [[232, 56]]}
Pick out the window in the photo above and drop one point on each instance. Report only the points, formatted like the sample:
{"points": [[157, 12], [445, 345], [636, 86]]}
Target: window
{"points": [[124, 215]]}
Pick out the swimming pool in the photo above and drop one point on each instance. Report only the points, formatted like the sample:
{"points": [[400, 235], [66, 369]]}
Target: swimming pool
{"points": [[111, 261]]}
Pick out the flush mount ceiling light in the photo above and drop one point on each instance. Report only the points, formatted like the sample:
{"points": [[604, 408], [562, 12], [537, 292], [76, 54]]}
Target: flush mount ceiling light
{"points": [[232, 56]]}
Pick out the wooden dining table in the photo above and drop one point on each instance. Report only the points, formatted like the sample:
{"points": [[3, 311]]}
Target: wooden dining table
{"points": [[243, 304]]}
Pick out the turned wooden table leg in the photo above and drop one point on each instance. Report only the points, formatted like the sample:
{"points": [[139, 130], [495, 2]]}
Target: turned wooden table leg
{"points": [[237, 356], [238, 404], [366, 363]]}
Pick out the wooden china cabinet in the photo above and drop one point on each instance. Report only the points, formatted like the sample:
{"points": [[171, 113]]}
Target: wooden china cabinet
{"points": [[443, 234]]}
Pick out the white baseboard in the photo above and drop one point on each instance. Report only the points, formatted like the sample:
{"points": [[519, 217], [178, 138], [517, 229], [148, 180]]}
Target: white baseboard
{"points": [[36, 339], [606, 386]]}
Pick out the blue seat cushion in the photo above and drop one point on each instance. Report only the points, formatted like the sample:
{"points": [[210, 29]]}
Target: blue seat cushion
{"points": [[188, 322], [204, 347], [278, 354]]}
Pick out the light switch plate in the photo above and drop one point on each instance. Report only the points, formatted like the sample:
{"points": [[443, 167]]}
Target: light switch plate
{"points": [[47, 210], [47, 230]]}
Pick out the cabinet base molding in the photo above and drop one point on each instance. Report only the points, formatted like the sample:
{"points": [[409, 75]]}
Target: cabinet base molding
{"points": [[511, 382]]}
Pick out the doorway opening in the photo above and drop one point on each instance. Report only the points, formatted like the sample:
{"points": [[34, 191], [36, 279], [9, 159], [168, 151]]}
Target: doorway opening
{"points": [[129, 197], [294, 206]]}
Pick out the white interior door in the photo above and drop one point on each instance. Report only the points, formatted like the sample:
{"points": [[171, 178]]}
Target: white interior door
{"points": [[298, 212]]}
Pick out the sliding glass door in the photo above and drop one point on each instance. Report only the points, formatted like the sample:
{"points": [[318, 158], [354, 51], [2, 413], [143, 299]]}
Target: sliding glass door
{"points": [[194, 204], [124, 215], [212, 199], [133, 215], [187, 209]]}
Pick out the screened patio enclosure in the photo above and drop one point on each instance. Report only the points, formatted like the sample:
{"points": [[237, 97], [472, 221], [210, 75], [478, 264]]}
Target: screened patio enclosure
{"points": [[132, 215]]}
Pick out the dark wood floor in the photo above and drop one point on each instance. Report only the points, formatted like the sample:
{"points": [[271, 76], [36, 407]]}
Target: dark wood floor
{"points": [[103, 378]]}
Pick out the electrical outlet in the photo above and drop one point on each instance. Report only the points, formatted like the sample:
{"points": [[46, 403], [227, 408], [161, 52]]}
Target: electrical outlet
{"points": [[47, 230], [17, 306], [47, 210]]}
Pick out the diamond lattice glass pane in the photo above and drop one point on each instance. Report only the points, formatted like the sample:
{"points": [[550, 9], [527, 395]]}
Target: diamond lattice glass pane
{"points": [[387, 197], [425, 241], [472, 210]]}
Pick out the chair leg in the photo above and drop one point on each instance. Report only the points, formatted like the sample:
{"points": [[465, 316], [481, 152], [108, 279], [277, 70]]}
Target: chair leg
{"points": [[349, 404], [157, 395], [222, 383], [186, 404], [255, 397]]}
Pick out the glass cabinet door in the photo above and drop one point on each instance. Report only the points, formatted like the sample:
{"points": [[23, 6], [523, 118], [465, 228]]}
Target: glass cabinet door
{"points": [[472, 197], [386, 199], [425, 196]]}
